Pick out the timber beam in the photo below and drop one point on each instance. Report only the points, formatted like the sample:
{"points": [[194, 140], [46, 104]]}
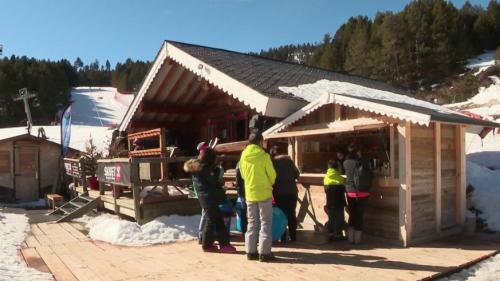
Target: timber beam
{"points": [[155, 124]]}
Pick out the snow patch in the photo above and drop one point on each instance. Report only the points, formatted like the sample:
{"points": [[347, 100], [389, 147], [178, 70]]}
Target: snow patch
{"points": [[311, 92], [13, 230], [487, 270], [486, 195], [165, 229], [484, 152]]}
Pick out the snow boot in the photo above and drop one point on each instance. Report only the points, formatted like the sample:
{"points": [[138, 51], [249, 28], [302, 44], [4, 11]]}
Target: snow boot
{"points": [[350, 235], [357, 237]]}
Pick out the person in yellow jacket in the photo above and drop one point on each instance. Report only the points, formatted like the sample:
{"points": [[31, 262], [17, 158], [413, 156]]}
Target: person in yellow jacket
{"points": [[335, 200], [258, 173]]}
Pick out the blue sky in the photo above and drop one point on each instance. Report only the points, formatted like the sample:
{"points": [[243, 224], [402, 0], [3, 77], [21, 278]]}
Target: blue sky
{"points": [[119, 29]]}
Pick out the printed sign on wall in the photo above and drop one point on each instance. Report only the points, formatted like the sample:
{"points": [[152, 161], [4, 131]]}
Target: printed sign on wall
{"points": [[117, 173]]}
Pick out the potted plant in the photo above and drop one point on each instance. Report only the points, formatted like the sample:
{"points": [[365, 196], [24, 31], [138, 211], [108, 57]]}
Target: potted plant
{"points": [[89, 164]]}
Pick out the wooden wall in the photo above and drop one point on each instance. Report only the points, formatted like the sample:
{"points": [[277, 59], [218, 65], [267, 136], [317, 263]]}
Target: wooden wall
{"points": [[49, 164], [382, 212], [6, 179], [423, 173], [448, 176], [437, 189]]}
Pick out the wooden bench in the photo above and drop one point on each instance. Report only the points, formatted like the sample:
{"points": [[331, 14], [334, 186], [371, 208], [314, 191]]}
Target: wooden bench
{"points": [[54, 200]]}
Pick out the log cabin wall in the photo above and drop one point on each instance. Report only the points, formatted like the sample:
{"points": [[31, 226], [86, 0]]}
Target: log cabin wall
{"points": [[423, 176], [448, 176]]}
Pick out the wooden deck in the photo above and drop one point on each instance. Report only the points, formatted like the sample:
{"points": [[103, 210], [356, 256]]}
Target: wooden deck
{"points": [[65, 251]]}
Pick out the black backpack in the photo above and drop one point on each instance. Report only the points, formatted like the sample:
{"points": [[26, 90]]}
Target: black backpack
{"points": [[363, 176]]}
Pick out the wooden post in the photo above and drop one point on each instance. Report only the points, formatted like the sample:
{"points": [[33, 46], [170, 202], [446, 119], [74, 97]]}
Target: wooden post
{"points": [[83, 176], [134, 178], [163, 153], [438, 187], [405, 222], [291, 148], [461, 188], [102, 188], [392, 160], [336, 112], [298, 153]]}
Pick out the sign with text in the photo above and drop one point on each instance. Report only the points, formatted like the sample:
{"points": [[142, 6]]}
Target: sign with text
{"points": [[72, 168], [116, 173]]}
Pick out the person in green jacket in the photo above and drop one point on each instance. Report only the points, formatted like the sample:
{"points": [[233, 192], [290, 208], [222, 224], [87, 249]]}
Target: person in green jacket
{"points": [[335, 200], [258, 173]]}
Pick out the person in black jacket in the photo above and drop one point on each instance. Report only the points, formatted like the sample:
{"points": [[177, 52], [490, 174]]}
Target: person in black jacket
{"points": [[359, 178], [205, 176], [285, 190]]}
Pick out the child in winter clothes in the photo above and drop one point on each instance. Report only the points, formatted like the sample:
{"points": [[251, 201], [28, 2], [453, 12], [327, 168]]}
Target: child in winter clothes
{"points": [[206, 182], [335, 199]]}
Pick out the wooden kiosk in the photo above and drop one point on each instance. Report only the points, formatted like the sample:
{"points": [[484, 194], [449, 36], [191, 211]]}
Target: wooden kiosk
{"points": [[418, 192]]}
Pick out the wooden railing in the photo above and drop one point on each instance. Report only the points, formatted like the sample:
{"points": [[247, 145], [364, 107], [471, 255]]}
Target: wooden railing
{"points": [[126, 172]]}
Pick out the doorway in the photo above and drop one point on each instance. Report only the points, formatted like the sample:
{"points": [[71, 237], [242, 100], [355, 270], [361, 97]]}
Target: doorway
{"points": [[27, 174]]}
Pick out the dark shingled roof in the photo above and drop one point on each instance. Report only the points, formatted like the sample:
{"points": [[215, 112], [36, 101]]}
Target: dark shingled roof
{"points": [[266, 75]]}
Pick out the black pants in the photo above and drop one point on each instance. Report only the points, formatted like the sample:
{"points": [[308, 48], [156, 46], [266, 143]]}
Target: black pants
{"points": [[335, 203], [288, 204], [214, 220], [356, 209]]}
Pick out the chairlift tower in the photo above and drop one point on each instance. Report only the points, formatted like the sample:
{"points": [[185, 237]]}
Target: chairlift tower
{"points": [[25, 95]]}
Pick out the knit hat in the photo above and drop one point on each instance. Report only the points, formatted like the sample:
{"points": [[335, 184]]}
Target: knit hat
{"points": [[202, 146]]}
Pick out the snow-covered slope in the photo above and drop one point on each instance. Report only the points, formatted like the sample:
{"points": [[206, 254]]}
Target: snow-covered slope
{"points": [[485, 103], [98, 106], [481, 62]]}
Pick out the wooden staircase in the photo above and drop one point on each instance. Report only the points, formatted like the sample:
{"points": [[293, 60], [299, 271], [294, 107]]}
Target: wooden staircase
{"points": [[77, 207]]}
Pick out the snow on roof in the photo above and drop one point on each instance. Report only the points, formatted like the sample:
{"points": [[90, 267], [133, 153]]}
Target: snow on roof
{"points": [[94, 113], [313, 91], [353, 95], [481, 62], [80, 135]]}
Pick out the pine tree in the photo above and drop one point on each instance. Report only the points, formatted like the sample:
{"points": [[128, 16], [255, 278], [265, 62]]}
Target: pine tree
{"points": [[357, 59], [78, 64]]}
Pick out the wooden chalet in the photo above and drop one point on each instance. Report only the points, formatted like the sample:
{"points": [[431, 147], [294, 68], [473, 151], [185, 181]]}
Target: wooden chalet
{"points": [[194, 93]]}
